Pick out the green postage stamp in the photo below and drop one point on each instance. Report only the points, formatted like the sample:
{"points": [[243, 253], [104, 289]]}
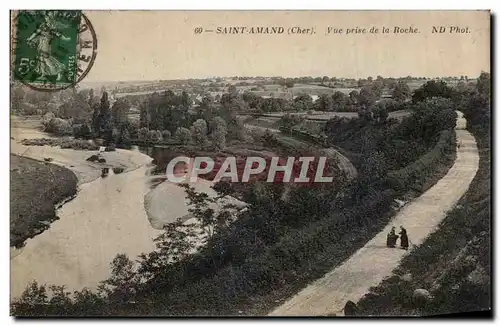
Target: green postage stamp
{"points": [[47, 48]]}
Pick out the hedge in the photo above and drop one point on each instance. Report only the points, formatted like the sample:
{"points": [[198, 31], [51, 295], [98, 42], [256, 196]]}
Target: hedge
{"points": [[413, 174]]}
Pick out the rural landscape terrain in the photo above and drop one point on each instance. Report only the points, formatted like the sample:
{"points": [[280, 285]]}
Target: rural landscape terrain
{"points": [[97, 230]]}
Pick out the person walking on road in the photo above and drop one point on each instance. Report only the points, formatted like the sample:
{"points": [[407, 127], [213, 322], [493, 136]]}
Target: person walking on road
{"points": [[392, 237], [350, 309], [404, 238]]}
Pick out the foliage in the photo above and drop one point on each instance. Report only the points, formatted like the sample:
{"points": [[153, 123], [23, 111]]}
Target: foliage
{"points": [[101, 119], [59, 127], [154, 136], [199, 131], [183, 135], [303, 102], [446, 262], [367, 96], [119, 111], [82, 131], [432, 89], [166, 134], [142, 134], [401, 91], [219, 132], [288, 121], [269, 139], [410, 175]]}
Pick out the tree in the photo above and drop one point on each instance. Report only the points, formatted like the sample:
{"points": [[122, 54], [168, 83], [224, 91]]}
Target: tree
{"points": [[119, 112], [254, 101], [289, 83], [33, 295], [142, 134], [59, 297], [183, 135], [209, 221], [354, 97], [154, 136], [102, 119], [199, 132], [121, 286], [269, 139], [431, 89], [59, 127], [206, 109], [380, 114], [288, 121], [340, 102], [91, 98], [232, 90], [17, 95], [172, 246], [303, 102], [166, 134], [378, 87], [365, 113], [367, 96], [219, 132], [401, 91], [76, 106], [325, 102], [82, 131], [484, 84], [374, 166]]}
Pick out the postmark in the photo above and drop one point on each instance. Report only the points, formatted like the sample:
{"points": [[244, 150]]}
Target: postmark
{"points": [[54, 49]]}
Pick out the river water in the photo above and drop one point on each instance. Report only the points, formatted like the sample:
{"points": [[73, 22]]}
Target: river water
{"points": [[107, 217]]}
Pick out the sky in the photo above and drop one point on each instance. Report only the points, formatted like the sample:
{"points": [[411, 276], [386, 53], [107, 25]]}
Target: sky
{"points": [[150, 45]]}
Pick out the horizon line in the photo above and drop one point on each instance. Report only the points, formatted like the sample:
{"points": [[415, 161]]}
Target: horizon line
{"points": [[269, 77]]}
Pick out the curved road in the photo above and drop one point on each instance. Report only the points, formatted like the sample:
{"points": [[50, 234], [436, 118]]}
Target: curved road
{"points": [[343, 162], [374, 262]]}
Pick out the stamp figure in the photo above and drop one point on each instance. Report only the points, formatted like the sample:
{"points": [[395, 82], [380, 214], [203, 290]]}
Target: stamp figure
{"points": [[52, 47], [46, 47]]}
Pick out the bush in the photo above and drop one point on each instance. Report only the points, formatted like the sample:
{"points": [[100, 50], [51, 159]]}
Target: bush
{"points": [[166, 134], [142, 134], [183, 135], [78, 144], [407, 177], [82, 131], [59, 127], [154, 136]]}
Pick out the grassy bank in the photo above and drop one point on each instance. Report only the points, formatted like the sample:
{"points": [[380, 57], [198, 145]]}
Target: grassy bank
{"points": [[453, 263], [35, 188]]}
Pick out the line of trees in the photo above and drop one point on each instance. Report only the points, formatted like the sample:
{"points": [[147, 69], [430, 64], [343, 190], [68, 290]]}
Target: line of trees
{"points": [[285, 237]]}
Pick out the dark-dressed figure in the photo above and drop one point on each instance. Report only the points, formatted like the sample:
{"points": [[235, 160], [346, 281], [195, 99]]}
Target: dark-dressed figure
{"points": [[404, 238], [392, 237], [350, 309]]}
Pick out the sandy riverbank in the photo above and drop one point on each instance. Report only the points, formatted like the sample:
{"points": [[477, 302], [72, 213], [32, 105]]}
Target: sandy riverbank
{"points": [[106, 217], [75, 160]]}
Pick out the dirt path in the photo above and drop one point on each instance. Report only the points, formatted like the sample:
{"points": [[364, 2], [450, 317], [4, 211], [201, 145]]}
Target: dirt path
{"points": [[344, 163], [374, 262]]}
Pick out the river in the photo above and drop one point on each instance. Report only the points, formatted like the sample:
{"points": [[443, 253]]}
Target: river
{"points": [[107, 217]]}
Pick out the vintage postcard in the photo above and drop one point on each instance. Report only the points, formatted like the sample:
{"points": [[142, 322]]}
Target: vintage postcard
{"points": [[250, 163]]}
